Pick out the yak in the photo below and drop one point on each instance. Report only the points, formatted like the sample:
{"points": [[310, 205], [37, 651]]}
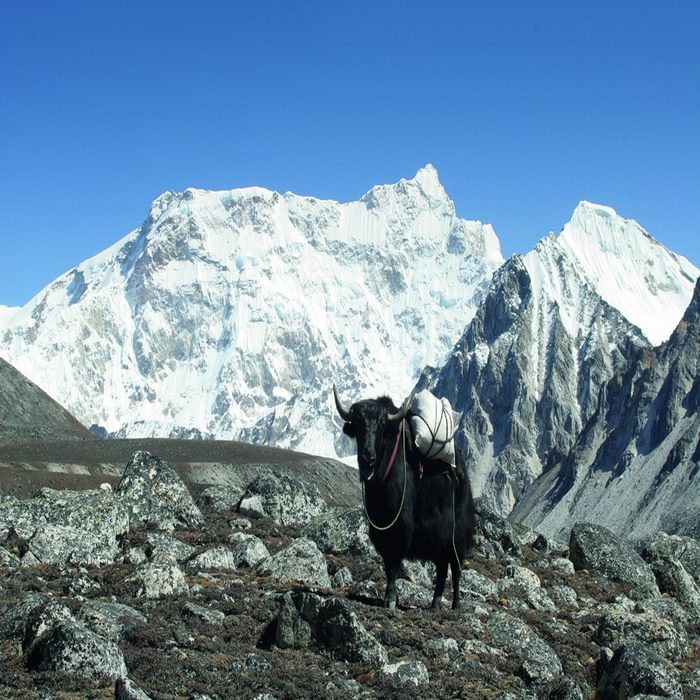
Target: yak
{"points": [[417, 508]]}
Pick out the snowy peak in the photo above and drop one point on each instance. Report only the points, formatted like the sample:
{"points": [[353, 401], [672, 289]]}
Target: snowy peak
{"points": [[629, 269]]}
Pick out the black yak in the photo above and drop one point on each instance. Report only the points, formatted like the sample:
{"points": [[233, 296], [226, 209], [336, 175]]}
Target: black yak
{"points": [[417, 508]]}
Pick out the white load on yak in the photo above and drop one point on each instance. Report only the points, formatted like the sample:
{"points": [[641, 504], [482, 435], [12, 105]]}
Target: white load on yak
{"points": [[433, 423]]}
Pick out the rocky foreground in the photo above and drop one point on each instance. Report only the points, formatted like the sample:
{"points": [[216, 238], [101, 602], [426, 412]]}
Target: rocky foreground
{"points": [[268, 592]]}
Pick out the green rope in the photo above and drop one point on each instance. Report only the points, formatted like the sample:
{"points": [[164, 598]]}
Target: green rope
{"points": [[403, 495]]}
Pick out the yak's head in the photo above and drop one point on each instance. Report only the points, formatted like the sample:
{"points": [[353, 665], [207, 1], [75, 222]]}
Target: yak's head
{"points": [[369, 422]]}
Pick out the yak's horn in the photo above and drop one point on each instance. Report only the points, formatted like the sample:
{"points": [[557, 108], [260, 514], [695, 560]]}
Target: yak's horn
{"points": [[401, 413], [344, 412]]}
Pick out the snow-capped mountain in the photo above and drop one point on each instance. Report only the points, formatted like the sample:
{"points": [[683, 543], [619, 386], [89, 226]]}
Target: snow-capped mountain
{"points": [[230, 314], [635, 466], [552, 331]]}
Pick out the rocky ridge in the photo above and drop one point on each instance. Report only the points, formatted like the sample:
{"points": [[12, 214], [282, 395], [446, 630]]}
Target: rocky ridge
{"points": [[270, 592]]}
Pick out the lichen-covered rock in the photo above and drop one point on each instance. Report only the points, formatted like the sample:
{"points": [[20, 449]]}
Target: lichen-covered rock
{"points": [[341, 530], [155, 495], [109, 620], [15, 618], [221, 498], [686, 550], [248, 550], [8, 559], [305, 620], [217, 558], [407, 673], [672, 578], [540, 664], [209, 615], [126, 689], [476, 586], [160, 578], [597, 548], [282, 499], [58, 527], [619, 625], [495, 529], [522, 582], [159, 544], [300, 562], [634, 670], [71, 647], [339, 631]]}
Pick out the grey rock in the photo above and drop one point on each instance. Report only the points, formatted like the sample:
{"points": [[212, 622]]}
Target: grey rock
{"points": [[166, 544], [340, 632], [495, 529], [619, 626], [524, 583], [300, 562], [407, 673], [56, 527], [126, 689], [442, 649], [221, 558], [72, 648], [109, 620], [635, 669], [341, 578], [597, 548], [8, 559], [160, 578], [477, 586], [282, 499], [248, 550], [209, 615], [686, 550], [156, 496], [306, 619], [221, 498], [413, 594], [672, 578], [339, 531], [15, 619], [540, 664]]}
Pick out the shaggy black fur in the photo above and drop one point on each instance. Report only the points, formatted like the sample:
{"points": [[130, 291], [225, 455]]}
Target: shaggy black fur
{"points": [[436, 520]]}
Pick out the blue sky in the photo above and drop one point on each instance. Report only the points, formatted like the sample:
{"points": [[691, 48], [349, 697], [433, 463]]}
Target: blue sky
{"points": [[524, 108]]}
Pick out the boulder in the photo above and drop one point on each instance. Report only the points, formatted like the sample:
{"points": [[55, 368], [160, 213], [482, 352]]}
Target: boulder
{"points": [[126, 689], [109, 620], [619, 626], [221, 498], [597, 548], [70, 647], [59, 527], [160, 578], [156, 496], [341, 531], [221, 558], [686, 550], [635, 670], [282, 499], [672, 578], [305, 620], [159, 544], [248, 550], [539, 662], [407, 673], [302, 562]]}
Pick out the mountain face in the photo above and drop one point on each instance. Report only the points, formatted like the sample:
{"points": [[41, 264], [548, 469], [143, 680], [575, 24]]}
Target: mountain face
{"points": [[635, 466], [549, 335], [27, 412], [230, 314]]}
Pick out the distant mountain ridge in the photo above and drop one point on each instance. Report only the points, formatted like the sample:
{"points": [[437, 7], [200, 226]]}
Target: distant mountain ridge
{"points": [[230, 315]]}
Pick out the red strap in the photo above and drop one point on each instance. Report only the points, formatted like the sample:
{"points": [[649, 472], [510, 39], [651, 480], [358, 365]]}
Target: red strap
{"points": [[394, 453]]}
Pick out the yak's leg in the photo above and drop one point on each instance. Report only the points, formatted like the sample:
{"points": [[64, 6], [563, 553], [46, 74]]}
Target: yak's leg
{"points": [[456, 573], [391, 568], [440, 578]]}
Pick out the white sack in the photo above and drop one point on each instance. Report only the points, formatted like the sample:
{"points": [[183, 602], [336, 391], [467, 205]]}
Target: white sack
{"points": [[433, 422]]}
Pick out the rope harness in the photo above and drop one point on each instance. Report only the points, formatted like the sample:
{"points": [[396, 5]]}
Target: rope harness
{"points": [[401, 437]]}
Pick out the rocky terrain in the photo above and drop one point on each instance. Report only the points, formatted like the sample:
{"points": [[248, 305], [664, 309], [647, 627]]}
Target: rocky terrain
{"points": [[267, 587]]}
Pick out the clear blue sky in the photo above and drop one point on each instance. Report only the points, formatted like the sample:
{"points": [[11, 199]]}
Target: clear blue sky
{"points": [[524, 107]]}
